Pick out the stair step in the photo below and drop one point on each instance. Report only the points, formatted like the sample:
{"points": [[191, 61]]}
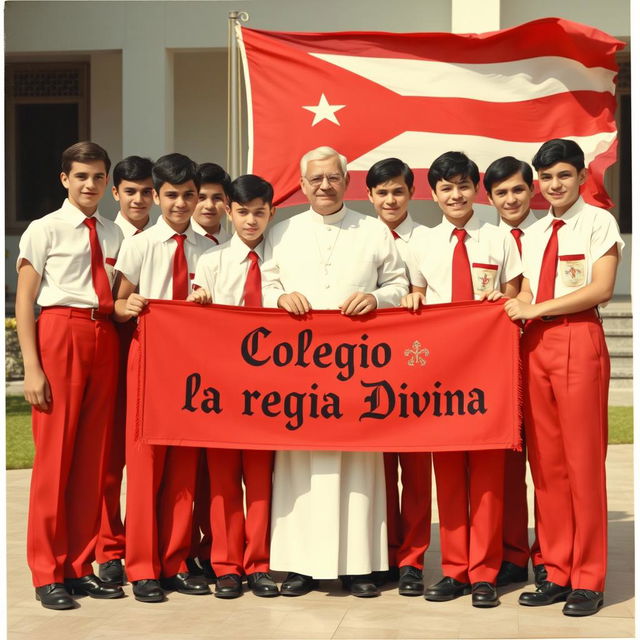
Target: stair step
{"points": [[617, 323], [621, 374], [619, 343]]}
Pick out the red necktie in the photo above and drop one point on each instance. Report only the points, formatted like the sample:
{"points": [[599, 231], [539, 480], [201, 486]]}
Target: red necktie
{"points": [[252, 294], [517, 234], [180, 270], [461, 285], [98, 273], [394, 233], [549, 268], [211, 237]]}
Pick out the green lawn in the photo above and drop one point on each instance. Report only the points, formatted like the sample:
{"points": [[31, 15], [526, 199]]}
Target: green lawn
{"points": [[20, 443]]}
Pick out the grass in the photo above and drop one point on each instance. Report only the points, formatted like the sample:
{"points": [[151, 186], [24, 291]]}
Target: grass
{"points": [[20, 442]]}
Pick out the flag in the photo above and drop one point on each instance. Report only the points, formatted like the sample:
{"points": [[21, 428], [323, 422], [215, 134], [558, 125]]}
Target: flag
{"points": [[445, 378], [374, 95]]}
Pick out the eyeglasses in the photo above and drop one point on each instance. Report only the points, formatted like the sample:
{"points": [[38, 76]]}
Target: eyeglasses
{"points": [[333, 178]]}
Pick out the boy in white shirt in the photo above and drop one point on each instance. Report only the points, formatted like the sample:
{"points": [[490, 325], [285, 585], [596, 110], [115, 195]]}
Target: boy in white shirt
{"points": [[213, 202], [464, 258], [230, 274], [390, 187], [160, 263]]}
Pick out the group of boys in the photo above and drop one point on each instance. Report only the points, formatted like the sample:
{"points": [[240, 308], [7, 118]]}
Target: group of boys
{"points": [[315, 514]]}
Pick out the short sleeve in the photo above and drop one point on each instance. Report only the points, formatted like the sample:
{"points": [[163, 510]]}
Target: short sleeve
{"points": [[604, 235], [34, 246], [206, 273], [512, 265], [129, 262]]}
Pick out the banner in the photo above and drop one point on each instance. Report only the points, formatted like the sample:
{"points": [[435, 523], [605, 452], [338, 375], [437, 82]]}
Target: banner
{"points": [[416, 95], [446, 378]]}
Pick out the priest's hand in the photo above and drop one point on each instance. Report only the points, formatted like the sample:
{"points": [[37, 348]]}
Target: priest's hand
{"points": [[295, 303], [358, 304]]}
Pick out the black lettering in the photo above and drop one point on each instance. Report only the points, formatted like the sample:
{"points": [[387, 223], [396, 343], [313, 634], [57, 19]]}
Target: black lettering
{"points": [[477, 404], [248, 395], [192, 385], [449, 398], [211, 401], [376, 399], [249, 346]]}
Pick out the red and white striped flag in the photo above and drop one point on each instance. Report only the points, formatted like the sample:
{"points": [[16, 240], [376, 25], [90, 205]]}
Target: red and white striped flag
{"points": [[373, 95]]}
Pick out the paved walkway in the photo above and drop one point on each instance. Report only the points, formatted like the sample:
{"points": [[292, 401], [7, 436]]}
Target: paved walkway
{"points": [[328, 613]]}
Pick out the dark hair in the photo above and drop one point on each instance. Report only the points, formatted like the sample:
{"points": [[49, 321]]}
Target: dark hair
{"points": [[84, 152], [504, 168], [387, 169], [249, 187], [452, 164], [211, 173], [132, 168], [174, 168], [559, 150]]}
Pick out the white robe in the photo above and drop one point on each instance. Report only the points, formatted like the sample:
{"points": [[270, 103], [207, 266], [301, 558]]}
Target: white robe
{"points": [[329, 507]]}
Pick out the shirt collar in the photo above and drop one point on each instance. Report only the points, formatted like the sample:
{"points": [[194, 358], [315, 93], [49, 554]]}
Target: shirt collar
{"points": [[165, 232], [75, 216], [405, 228], [529, 219], [241, 251], [127, 224], [472, 228], [333, 218], [570, 216], [198, 228]]}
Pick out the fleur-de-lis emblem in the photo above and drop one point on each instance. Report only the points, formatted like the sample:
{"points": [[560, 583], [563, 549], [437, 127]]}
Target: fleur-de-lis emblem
{"points": [[416, 354], [484, 280]]}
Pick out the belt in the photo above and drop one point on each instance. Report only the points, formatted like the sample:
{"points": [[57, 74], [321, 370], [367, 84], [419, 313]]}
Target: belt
{"points": [[580, 316], [75, 312]]}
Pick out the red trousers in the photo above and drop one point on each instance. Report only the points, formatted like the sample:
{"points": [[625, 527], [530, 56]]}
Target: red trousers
{"points": [[160, 488], [240, 545], [409, 522], [470, 489], [111, 537], [566, 365], [515, 531], [201, 530], [79, 356]]}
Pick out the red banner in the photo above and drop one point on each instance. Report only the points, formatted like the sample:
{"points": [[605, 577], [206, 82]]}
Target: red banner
{"points": [[446, 378]]}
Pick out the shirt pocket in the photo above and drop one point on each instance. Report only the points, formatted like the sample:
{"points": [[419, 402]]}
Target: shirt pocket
{"points": [[573, 269], [484, 276]]}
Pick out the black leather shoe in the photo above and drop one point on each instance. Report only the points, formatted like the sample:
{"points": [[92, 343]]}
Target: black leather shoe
{"points": [[148, 591], [111, 572], [207, 569], [54, 596], [583, 602], [297, 584], [447, 589], [361, 586], [539, 574], [510, 572], [193, 567], [411, 582], [92, 586], [187, 584], [484, 594], [546, 593], [380, 578], [262, 584], [229, 586]]}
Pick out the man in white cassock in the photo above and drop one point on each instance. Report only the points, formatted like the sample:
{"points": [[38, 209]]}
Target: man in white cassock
{"points": [[328, 507]]}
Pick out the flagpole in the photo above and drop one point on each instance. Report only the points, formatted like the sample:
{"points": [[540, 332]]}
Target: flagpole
{"points": [[234, 114]]}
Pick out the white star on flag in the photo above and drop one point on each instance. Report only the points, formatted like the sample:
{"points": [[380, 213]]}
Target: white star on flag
{"points": [[324, 111]]}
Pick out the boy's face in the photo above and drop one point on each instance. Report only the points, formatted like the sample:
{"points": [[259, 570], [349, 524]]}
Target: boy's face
{"points": [[86, 183], [212, 205], [391, 200], [560, 185], [512, 198], [324, 185], [455, 197], [136, 199], [177, 203], [250, 219]]}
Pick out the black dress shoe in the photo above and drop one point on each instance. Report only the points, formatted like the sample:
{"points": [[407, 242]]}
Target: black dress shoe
{"points": [[229, 586], [361, 586], [583, 602], [92, 586], [447, 589], [148, 591], [546, 593], [297, 584], [207, 569], [380, 578], [187, 584], [262, 584], [193, 567], [411, 582], [539, 574], [484, 594], [54, 596], [111, 572], [510, 572]]}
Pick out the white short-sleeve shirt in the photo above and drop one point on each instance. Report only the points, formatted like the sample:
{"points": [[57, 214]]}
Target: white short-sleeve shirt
{"points": [[222, 236], [588, 233], [406, 238], [328, 258], [493, 258], [146, 259], [223, 270], [529, 220], [57, 245], [129, 229]]}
